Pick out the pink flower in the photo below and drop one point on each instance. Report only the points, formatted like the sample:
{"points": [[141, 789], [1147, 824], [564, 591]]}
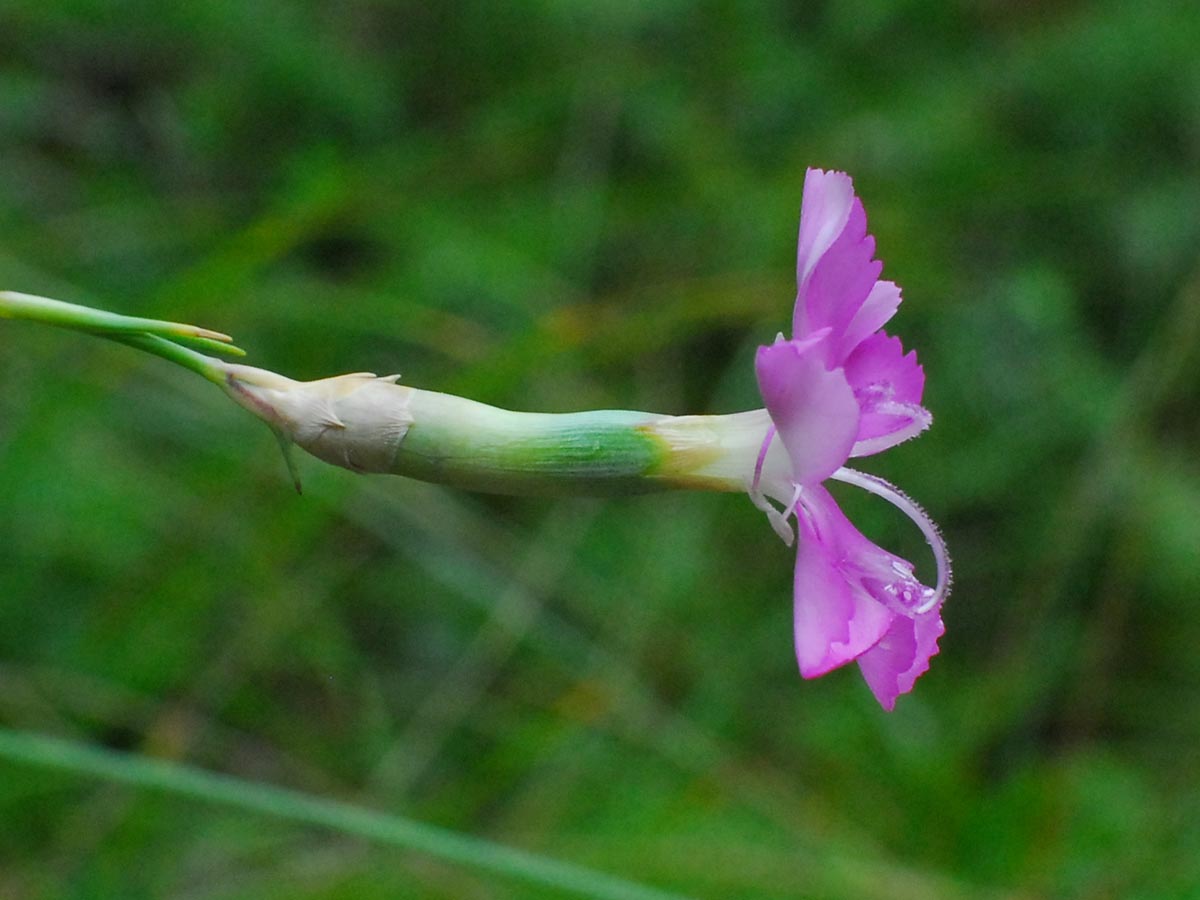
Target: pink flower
{"points": [[839, 388]]}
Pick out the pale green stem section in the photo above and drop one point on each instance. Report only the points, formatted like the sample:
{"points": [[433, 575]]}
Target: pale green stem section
{"points": [[467, 444], [255, 797]]}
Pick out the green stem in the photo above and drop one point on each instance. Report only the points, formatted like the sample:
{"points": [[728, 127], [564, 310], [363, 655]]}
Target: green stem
{"points": [[371, 424], [203, 365], [187, 781]]}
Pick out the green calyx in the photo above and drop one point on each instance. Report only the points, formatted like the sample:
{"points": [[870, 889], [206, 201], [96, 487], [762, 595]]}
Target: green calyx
{"points": [[470, 445]]}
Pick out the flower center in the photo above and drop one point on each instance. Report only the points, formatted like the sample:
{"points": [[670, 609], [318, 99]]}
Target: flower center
{"points": [[902, 594]]}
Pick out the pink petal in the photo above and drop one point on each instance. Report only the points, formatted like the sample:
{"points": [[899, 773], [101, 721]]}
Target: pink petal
{"points": [[840, 281], [879, 361], [881, 304], [888, 386], [893, 665], [814, 409], [856, 600], [824, 208], [864, 564], [834, 623]]}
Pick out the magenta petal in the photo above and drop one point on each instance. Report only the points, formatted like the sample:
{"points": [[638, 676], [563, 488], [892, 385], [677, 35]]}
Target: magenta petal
{"points": [[881, 304], [879, 362], [866, 566], [834, 623], [893, 665], [814, 409], [888, 386], [842, 387], [824, 208], [840, 281], [843, 576]]}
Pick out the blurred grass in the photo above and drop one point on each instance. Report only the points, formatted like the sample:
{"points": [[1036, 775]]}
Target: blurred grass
{"points": [[556, 207], [184, 781]]}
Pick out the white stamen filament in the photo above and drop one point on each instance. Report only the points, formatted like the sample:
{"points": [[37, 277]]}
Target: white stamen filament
{"points": [[778, 520], [901, 501], [762, 458]]}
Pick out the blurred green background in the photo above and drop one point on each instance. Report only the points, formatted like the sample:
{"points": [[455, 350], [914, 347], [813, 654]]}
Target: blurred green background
{"points": [[558, 206]]}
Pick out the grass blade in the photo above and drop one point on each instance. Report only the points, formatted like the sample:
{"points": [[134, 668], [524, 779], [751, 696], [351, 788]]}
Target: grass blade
{"points": [[187, 781]]}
